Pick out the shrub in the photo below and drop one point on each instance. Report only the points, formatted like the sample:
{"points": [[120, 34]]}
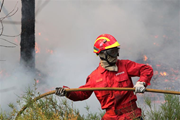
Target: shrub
{"points": [[169, 110], [47, 108]]}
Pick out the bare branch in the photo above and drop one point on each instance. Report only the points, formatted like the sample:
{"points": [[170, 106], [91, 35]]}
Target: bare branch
{"points": [[12, 22], [11, 35], [1, 5], [7, 35], [10, 13], [7, 46], [2, 28], [39, 8], [8, 41]]}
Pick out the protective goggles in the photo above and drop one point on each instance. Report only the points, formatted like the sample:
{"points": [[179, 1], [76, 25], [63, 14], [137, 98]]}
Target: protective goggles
{"points": [[113, 52]]}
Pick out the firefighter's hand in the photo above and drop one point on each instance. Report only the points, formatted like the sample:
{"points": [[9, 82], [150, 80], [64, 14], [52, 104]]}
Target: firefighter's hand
{"points": [[60, 91], [140, 87]]}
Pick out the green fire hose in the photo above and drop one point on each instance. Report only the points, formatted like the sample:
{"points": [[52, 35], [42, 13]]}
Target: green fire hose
{"points": [[95, 89]]}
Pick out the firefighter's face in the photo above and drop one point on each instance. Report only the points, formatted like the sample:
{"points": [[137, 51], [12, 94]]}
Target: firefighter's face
{"points": [[113, 52], [111, 59], [110, 55]]}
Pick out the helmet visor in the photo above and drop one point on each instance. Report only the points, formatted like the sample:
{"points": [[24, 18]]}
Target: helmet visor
{"points": [[113, 52]]}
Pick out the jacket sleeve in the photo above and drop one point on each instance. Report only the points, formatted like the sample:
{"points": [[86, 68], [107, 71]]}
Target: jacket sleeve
{"points": [[81, 95], [145, 72]]}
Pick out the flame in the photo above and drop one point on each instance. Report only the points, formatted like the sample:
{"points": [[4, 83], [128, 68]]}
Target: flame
{"points": [[145, 57], [37, 81], [175, 71], [156, 44], [158, 65], [176, 78], [164, 36], [156, 72], [50, 51], [163, 73], [37, 49], [39, 33], [166, 80], [4, 73], [49, 89], [156, 36]]}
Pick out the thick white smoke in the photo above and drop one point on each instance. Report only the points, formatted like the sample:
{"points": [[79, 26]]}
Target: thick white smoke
{"points": [[66, 31]]}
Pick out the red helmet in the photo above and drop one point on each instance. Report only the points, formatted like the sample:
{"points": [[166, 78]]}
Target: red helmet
{"points": [[104, 42]]}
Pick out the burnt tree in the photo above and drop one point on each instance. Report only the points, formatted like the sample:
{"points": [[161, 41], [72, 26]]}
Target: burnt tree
{"points": [[28, 34]]}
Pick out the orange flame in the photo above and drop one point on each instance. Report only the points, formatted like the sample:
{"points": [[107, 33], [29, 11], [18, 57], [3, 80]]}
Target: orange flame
{"points": [[158, 65], [175, 71], [145, 57], [156, 44], [50, 51], [39, 33], [164, 36], [166, 80], [156, 36], [163, 73], [37, 49], [49, 89], [155, 72], [37, 81]]}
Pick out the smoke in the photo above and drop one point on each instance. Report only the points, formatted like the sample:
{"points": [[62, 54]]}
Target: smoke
{"points": [[66, 31]]}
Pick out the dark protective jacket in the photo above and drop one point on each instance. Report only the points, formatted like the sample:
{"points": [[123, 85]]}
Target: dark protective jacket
{"points": [[112, 100]]}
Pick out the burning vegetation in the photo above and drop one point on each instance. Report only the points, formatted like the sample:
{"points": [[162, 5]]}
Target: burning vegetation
{"points": [[164, 60]]}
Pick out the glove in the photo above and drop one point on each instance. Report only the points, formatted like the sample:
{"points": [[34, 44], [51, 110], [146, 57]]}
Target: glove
{"points": [[60, 91], [140, 87]]}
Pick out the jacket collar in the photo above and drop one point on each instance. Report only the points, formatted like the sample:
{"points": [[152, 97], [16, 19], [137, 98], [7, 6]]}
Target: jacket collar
{"points": [[102, 70]]}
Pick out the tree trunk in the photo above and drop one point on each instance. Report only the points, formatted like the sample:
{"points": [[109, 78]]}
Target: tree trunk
{"points": [[28, 34]]}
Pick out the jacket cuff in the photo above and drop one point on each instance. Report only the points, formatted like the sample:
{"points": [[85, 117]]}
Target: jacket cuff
{"points": [[147, 82]]}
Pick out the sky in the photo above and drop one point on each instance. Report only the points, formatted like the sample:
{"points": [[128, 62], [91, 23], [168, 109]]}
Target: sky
{"points": [[65, 34]]}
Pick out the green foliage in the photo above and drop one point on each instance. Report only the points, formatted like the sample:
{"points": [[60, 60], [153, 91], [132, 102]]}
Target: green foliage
{"points": [[57, 108], [3, 115], [93, 116], [169, 110], [48, 108]]}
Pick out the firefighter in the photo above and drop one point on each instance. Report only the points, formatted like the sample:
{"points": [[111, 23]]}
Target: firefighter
{"points": [[113, 72]]}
